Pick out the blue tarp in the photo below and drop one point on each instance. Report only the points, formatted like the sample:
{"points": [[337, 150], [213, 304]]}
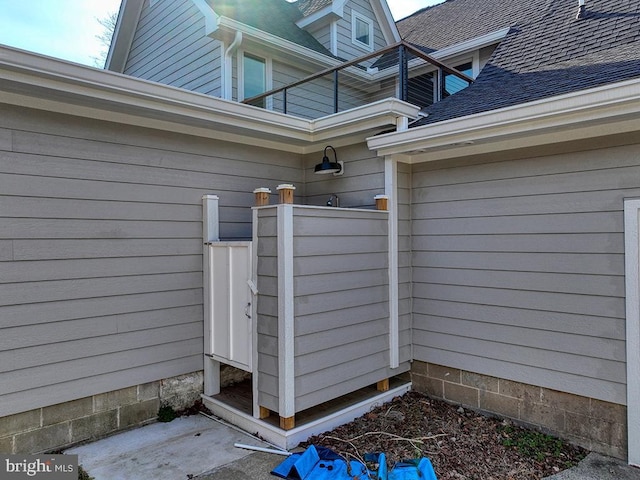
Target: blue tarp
{"points": [[319, 463]]}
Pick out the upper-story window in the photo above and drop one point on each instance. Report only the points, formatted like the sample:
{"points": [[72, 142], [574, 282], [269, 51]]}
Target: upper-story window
{"points": [[361, 31], [453, 84], [254, 78]]}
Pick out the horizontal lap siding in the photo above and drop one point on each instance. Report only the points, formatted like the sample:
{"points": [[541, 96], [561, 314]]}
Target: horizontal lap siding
{"points": [[404, 262], [101, 250], [310, 100], [362, 180], [518, 269], [267, 365], [341, 303], [346, 48], [171, 47]]}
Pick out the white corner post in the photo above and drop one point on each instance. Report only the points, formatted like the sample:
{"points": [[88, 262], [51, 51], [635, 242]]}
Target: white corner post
{"points": [[286, 372], [632, 275], [391, 190], [210, 234]]}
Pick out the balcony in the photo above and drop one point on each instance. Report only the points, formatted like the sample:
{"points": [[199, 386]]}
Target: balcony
{"points": [[399, 71]]}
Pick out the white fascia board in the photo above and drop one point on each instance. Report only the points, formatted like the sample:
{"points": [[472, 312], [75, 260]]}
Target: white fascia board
{"points": [[277, 43], [472, 44], [36, 75], [210, 17], [128, 17], [578, 115], [45, 83], [325, 15], [386, 21], [381, 108], [466, 47]]}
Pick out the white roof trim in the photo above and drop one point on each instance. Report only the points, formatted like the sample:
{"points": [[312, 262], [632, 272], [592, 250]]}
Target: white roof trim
{"points": [[328, 13], [45, 83], [128, 17], [472, 44], [336, 10], [210, 17], [468, 46], [386, 21], [279, 43], [605, 110]]}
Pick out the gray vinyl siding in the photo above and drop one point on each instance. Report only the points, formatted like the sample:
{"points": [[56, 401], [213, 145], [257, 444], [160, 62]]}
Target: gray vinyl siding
{"points": [[405, 319], [518, 269], [268, 395], [341, 303], [309, 100], [170, 46], [362, 181], [101, 250], [323, 35], [346, 48], [315, 99]]}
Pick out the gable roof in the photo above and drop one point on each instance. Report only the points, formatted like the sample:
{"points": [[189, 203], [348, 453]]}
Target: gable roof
{"points": [[547, 52], [309, 7], [276, 17]]}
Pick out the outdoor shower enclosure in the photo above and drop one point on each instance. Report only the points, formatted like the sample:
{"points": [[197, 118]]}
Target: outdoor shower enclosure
{"points": [[305, 307]]}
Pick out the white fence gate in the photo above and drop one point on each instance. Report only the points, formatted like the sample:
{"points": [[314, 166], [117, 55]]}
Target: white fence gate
{"points": [[231, 300]]}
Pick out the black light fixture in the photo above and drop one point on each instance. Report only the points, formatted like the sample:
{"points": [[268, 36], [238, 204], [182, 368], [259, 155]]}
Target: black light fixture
{"points": [[327, 166]]}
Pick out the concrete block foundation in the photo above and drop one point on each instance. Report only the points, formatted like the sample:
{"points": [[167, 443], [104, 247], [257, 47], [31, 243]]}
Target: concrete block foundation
{"points": [[55, 427], [593, 424]]}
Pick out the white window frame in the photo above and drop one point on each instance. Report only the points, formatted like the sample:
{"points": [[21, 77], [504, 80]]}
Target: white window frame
{"points": [[268, 65], [474, 60], [355, 16]]}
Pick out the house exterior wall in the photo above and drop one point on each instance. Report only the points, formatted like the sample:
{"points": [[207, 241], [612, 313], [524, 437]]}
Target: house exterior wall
{"points": [[405, 303], [170, 47], [346, 48], [518, 269], [322, 33], [101, 250], [362, 180], [58, 426]]}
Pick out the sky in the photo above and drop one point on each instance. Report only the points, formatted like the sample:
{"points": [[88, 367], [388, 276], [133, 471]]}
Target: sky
{"points": [[67, 29]]}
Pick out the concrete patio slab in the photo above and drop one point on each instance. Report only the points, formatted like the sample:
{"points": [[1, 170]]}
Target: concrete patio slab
{"points": [[181, 449], [598, 467]]}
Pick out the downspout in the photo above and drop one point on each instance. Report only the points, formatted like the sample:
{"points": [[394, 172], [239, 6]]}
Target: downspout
{"points": [[227, 75]]}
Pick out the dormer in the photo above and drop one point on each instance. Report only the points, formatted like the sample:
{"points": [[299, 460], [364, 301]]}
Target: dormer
{"points": [[349, 29]]}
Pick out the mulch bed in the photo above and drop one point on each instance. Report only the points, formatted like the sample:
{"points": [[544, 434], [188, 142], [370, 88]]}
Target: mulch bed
{"points": [[460, 443]]}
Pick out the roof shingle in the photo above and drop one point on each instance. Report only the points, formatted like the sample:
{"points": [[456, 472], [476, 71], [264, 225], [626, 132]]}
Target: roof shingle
{"points": [[547, 51]]}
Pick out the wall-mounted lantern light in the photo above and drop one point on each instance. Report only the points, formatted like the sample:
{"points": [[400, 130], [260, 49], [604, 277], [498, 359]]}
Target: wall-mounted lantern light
{"points": [[327, 166]]}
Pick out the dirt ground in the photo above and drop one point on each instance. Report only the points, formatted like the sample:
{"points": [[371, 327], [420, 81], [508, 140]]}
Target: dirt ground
{"points": [[460, 443]]}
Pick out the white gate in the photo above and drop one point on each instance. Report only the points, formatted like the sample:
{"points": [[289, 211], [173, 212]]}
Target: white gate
{"points": [[231, 300], [632, 279]]}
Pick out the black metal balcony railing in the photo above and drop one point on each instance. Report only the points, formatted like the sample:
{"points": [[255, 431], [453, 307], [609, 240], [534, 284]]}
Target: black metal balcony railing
{"points": [[400, 70]]}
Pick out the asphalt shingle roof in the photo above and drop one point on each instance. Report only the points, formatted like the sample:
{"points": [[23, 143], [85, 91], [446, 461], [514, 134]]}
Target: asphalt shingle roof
{"points": [[308, 7], [277, 17], [547, 52]]}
